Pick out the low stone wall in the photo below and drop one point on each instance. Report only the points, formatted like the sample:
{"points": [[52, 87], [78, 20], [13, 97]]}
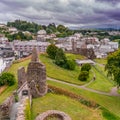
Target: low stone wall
{"points": [[53, 113], [6, 107], [21, 108], [22, 100]]}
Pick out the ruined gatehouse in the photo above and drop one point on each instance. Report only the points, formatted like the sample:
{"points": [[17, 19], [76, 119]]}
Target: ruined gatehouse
{"points": [[35, 76]]}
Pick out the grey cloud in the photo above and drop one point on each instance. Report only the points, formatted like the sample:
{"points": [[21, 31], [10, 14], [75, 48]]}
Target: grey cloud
{"points": [[114, 2], [62, 11]]}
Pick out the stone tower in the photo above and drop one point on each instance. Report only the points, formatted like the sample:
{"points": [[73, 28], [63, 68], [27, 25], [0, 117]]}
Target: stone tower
{"points": [[21, 76], [36, 76]]}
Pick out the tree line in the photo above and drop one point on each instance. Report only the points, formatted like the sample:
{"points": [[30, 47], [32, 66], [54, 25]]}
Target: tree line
{"points": [[59, 30]]}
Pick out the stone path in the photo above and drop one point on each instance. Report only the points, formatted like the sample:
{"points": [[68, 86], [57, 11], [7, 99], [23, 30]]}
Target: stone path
{"points": [[14, 111], [113, 93]]}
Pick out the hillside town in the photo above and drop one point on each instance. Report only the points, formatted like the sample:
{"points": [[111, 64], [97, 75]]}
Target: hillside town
{"points": [[59, 60], [91, 47]]}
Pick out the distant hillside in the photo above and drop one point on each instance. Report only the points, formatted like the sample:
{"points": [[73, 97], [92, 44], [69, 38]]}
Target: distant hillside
{"points": [[60, 30]]}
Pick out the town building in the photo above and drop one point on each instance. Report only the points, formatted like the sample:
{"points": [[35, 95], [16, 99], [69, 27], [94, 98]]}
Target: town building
{"points": [[43, 36], [24, 48], [2, 65], [3, 39]]}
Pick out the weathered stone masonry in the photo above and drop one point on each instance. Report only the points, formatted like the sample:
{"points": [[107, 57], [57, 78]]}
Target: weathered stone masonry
{"points": [[36, 76]]}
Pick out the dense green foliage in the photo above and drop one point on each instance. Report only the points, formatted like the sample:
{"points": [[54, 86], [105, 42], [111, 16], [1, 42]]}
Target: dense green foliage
{"points": [[25, 26], [84, 73], [51, 51], [60, 58], [83, 76], [113, 66], [19, 36], [70, 64], [86, 67], [7, 79], [60, 30]]}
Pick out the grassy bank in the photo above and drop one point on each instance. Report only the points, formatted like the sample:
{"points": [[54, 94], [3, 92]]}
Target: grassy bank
{"points": [[110, 103], [74, 109]]}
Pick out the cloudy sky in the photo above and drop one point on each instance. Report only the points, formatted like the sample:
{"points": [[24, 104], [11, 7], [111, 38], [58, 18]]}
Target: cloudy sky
{"points": [[67, 12]]}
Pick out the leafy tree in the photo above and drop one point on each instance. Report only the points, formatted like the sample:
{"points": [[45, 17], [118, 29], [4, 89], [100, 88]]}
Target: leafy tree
{"points": [[83, 76], [7, 79], [25, 26], [70, 64], [51, 51], [113, 67], [86, 67], [60, 58], [61, 28]]}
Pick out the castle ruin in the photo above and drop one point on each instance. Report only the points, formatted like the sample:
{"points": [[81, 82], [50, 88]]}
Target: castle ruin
{"points": [[36, 76]]}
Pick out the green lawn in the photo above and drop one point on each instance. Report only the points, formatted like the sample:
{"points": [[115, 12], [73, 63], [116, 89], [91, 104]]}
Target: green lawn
{"points": [[110, 103], [101, 82], [9, 90], [59, 73], [75, 56], [14, 67], [101, 61], [73, 108]]}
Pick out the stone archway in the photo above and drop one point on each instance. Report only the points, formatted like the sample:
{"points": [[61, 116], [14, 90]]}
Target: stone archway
{"points": [[53, 113]]}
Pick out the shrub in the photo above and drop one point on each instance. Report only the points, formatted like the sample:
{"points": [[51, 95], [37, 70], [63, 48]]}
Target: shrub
{"points": [[70, 64], [51, 51], [7, 79], [83, 76], [86, 67]]}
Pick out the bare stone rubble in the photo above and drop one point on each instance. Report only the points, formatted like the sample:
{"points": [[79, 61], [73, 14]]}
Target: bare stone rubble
{"points": [[36, 76], [6, 107]]}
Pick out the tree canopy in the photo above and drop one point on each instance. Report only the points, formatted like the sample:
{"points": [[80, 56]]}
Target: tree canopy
{"points": [[83, 76], [7, 79], [113, 66], [86, 67], [60, 30], [60, 58], [51, 51]]}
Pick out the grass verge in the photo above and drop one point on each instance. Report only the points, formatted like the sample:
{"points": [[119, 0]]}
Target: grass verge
{"points": [[71, 107]]}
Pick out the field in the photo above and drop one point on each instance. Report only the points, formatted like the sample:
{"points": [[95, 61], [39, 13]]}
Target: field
{"points": [[73, 108], [110, 103]]}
